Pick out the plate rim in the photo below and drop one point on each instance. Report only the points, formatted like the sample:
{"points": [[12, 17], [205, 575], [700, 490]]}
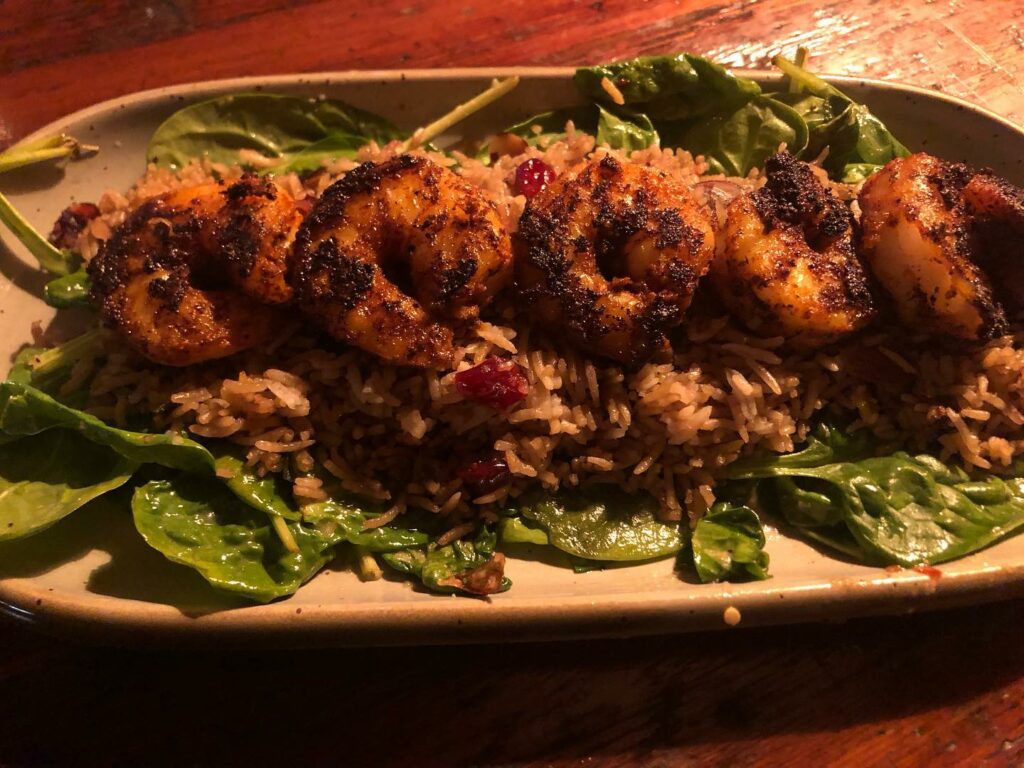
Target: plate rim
{"points": [[329, 77], [126, 621]]}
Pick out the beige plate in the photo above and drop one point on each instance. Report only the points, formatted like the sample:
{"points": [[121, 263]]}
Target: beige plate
{"points": [[91, 576]]}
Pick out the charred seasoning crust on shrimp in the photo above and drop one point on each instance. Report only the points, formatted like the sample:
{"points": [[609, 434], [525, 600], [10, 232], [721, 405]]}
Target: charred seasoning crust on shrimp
{"points": [[624, 220], [918, 238], [395, 256], [997, 208], [786, 262], [157, 283], [253, 234]]}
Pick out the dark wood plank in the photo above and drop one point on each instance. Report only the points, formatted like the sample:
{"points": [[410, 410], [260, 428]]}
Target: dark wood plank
{"points": [[60, 56], [940, 689]]}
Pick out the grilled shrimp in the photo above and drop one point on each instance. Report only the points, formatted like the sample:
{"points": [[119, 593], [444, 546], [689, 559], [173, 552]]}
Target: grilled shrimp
{"points": [[609, 255], [996, 208], [251, 231], [158, 283], [394, 255], [918, 243], [786, 263]]}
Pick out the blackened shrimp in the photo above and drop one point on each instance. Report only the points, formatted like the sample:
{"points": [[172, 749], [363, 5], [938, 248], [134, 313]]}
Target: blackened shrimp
{"points": [[918, 242], [609, 255], [996, 208], [394, 255], [158, 282], [786, 263], [251, 232]]}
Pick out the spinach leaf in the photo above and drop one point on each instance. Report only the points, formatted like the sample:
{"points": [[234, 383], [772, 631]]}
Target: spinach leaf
{"points": [[895, 509], [46, 477], [516, 530], [728, 545], [826, 443], [387, 538], [857, 140], [741, 137], [519, 530], [339, 519], [298, 131], [269, 493], [604, 524], [550, 126], [854, 173], [583, 565], [47, 369], [69, 291], [199, 523], [21, 367], [464, 567], [626, 133], [617, 127], [342, 517], [311, 158], [697, 105], [25, 410], [667, 87], [812, 511]]}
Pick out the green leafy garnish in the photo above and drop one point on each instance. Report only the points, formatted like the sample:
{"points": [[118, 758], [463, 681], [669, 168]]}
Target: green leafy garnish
{"points": [[25, 410], [896, 509], [269, 493], [738, 138], [727, 544], [199, 523], [298, 132], [629, 133], [550, 126], [517, 530], [46, 477], [616, 127], [690, 102], [857, 141], [69, 291], [47, 369], [604, 524], [667, 87], [466, 567]]}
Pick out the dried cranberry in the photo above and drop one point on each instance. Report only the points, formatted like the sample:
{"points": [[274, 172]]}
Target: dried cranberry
{"points": [[485, 476], [495, 382], [532, 176], [71, 222]]}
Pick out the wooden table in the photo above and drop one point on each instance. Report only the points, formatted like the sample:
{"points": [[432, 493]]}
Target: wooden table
{"points": [[939, 689]]}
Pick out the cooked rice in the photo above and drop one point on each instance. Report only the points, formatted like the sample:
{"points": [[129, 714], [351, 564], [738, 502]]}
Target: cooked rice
{"points": [[325, 415]]}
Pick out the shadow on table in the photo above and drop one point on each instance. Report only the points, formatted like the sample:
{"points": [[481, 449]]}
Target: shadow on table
{"points": [[736, 696]]}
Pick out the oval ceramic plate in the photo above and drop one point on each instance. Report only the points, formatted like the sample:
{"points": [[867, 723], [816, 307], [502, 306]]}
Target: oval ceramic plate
{"points": [[92, 576]]}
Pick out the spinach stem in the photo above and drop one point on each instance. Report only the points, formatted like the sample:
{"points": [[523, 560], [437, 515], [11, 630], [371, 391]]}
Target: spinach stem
{"points": [[66, 354], [285, 535], [51, 259], [801, 61], [366, 565], [801, 80], [425, 134], [46, 148]]}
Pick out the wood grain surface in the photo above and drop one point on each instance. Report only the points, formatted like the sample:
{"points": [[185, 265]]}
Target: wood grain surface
{"points": [[939, 689]]}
